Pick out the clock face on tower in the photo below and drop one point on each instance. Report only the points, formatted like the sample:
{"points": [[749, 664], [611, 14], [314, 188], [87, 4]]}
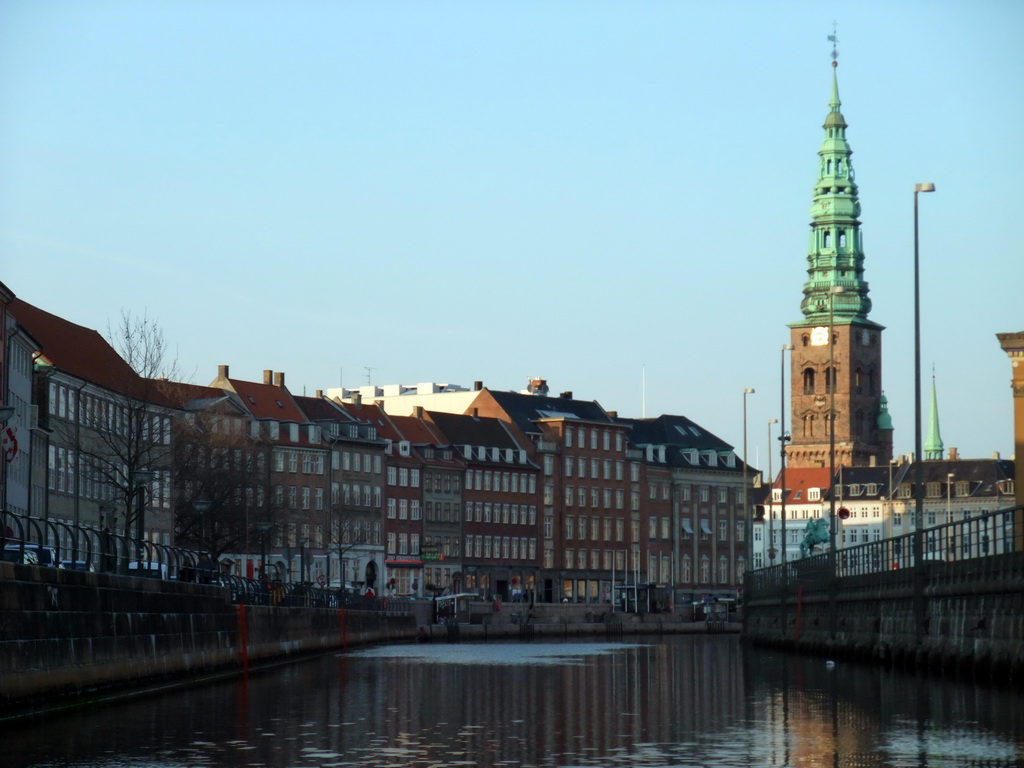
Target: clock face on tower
{"points": [[819, 336]]}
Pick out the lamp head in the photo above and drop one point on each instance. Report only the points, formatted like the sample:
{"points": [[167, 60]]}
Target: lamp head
{"points": [[773, 421], [924, 187], [748, 391]]}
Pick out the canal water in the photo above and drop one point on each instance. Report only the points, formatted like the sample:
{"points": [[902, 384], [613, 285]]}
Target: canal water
{"points": [[685, 701]]}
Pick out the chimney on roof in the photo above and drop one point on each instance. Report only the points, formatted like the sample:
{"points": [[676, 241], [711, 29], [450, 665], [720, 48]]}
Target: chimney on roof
{"points": [[222, 371], [995, 455], [279, 379], [357, 399], [537, 387], [418, 412], [477, 386], [613, 414], [268, 377], [567, 395], [954, 454], [319, 394], [475, 413]]}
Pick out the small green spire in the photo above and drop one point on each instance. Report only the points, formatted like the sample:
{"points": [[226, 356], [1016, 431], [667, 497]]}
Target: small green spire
{"points": [[884, 420], [933, 447]]}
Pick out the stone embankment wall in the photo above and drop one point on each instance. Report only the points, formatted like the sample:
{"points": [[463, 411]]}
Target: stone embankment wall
{"points": [[972, 616], [68, 633]]}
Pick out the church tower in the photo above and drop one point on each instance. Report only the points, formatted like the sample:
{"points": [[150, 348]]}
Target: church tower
{"points": [[837, 350]]}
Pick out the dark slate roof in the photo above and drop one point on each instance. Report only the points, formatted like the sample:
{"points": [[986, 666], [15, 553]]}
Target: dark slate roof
{"points": [[321, 409], [459, 429], [677, 431], [526, 410], [195, 396]]}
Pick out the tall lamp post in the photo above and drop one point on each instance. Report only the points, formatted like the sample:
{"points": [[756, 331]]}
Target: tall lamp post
{"points": [[918, 466], [263, 527], [140, 479], [782, 450], [747, 516], [771, 482], [919, 469], [836, 289]]}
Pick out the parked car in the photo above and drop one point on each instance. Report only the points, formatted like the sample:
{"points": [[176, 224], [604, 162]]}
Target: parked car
{"points": [[147, 568], [77, 565], [31, 554]]}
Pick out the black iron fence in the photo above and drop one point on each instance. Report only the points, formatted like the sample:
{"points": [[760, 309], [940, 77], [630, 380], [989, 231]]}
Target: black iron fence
{"points": [[995, 533], [57, 544]]}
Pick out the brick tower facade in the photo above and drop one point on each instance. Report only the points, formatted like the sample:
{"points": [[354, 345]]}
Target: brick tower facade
{"points": [[837, 351]]}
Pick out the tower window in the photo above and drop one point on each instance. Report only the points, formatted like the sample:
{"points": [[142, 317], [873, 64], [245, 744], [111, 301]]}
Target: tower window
{"points": [[828, 167], [857, 381], [839, 166], [842, 238], [826, 239], [830, 385], [808, 381]]}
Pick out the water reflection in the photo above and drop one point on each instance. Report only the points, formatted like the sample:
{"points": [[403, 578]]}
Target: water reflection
{"points": [[691, 701]]}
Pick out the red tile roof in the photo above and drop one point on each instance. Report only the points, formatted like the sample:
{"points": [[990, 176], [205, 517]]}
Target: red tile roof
{"points": [[802, 478], [81, 352], [267, 401]]}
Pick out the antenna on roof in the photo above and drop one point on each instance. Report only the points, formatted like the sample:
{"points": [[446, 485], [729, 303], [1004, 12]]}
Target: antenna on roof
{"points": [[369, 373]]}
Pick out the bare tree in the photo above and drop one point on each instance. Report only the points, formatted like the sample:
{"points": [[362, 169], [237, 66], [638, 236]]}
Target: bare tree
{"points": [[123, 430], [222, 482]]}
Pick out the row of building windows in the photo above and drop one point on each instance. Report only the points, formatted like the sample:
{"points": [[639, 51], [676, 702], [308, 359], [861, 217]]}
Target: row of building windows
{"points": [[506, 482], [361, 462], [299, 497], [100, 414], [596, 436], [598, 468], [501, 547], [404, 509], [598, 497], [443, 512], [312, 461], [598, 528], [504, 514]]}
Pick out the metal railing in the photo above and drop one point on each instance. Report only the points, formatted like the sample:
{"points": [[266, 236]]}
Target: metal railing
{"points": [[995, 533], [78, 547]]}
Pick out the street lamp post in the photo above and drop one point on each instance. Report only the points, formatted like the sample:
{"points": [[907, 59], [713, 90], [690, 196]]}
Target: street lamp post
{"points": [[140, 478], [747, 516], [202, 506], [771, 482], [263, 527], [836, 289], [918, 466], [782, 450]]}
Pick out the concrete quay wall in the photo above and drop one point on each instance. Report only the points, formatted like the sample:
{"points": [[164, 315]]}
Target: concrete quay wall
{"points": [[68, 636], [972, 617], [65, 634]]}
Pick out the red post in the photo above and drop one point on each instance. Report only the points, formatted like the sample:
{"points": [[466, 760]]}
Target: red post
{"points": [[344, 629], [243, 639]]}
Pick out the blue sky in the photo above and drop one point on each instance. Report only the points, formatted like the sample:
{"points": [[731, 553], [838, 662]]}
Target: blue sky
{"points": [[613, 196]]}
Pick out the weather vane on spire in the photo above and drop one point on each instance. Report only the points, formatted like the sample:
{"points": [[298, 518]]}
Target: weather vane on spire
{"points": [[834, 39]]}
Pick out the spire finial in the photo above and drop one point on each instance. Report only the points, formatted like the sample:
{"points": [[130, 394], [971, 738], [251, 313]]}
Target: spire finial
{"points": [[834, 39]]}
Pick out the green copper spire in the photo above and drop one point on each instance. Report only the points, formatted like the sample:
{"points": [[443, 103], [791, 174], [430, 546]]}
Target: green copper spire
{"points": [[933, 448], [884, 420], [835, 255]]}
